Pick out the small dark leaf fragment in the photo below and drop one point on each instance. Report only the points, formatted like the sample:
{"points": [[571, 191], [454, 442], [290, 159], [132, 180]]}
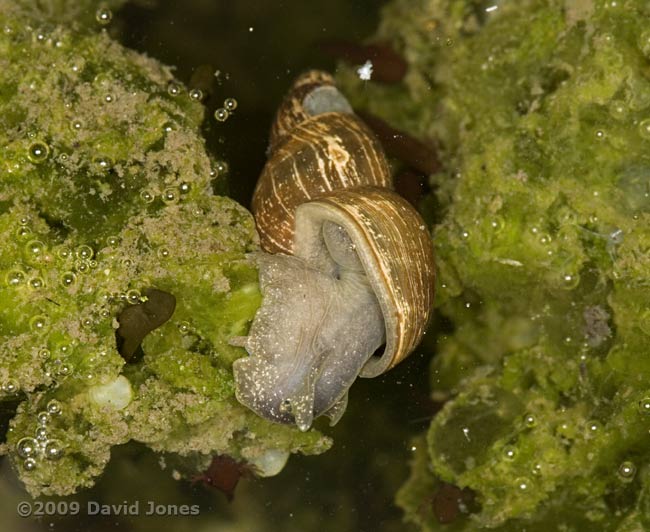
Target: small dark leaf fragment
{"points": [[223, 474], [136, 321], [450, 501]]}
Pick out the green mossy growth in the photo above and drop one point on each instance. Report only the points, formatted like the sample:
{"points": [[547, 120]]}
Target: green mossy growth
{"points": [[542, 112], [106, 191]]}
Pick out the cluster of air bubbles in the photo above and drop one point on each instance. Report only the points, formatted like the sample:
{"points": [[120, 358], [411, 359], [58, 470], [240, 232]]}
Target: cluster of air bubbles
{"points": [[103, 15], [229, 106], [15, 278], [9, 387], [41, 446]]}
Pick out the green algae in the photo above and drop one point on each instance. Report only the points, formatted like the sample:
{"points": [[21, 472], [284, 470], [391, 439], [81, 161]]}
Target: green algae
{"points": [[106, 191], [540, 226]]}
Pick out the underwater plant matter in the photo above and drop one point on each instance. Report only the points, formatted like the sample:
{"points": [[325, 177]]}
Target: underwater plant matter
{"points": [[106, 193], [540, 220]]}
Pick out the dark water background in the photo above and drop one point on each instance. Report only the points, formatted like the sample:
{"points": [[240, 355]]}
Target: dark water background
{"points": [[351, 487]]}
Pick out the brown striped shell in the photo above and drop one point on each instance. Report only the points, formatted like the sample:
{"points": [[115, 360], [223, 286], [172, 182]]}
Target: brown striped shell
{"points": [[396, 251], [327, 152], [292, 110]]}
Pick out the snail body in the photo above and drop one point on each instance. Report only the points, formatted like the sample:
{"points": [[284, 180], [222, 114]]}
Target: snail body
{"points": [[347, 265]]}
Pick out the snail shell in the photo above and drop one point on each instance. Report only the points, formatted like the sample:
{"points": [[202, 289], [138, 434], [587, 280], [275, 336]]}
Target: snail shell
{"points": [[326, 150], [393, 245], [348, 266]]}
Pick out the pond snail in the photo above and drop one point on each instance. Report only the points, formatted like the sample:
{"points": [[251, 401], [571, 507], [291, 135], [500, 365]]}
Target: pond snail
{"points": [[347, 271]]}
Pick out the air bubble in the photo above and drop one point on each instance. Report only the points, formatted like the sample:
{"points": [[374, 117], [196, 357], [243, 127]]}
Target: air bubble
{"points": [[592, 429], [196, 95], [221, 114], [43, 418], [44, 354], [570, 280], [63, 253], [133, 296], [76, 125], [15, 277], [626, 471], [104, 16], [644, 405], [230, 104], [184, 188], [35, 247], [36, 282], [184, 327], [644, 128], [169, 196], [108, 98], [103, 163], [221, 167], [54, 407], [163, 253], [38, 323], [146, 196], [618, 110], [68, 279], [65, 370], [600, 134], [53, 450], [85, 252], [38, 152], [522, 484], [529, 420], [173, 88], [41, 434], [29, 464], [509, 452], [112, 241], [26, 447], [22, 232]]}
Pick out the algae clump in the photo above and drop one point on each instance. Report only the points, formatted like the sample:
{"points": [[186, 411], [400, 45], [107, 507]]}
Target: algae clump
{"points": [[542, 113], [107, 204]]}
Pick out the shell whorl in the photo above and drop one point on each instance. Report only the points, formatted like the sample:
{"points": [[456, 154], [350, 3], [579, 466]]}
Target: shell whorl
{"points": [[326, 152], [396, 250]]}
